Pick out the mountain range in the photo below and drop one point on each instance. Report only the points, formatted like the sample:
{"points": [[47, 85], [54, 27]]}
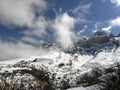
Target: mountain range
{"points": [[92, 63]]}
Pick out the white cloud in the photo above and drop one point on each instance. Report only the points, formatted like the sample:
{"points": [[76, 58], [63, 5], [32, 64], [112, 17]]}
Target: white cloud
{"points": [[81, 11], [97, 27], [32, 40], [10, 50], [38, 28], [107, 29], [112, 23], [117, 2], [82, 8], [23, 13], [19, 12], [63, 26], [115, 22], [82, 30]]}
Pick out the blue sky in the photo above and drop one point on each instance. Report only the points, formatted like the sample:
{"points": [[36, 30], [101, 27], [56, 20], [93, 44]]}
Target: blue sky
{"points": [[28, 23]]}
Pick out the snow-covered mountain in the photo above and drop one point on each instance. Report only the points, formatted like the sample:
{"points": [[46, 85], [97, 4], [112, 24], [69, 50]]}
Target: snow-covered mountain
{"points": [[85, 66]]}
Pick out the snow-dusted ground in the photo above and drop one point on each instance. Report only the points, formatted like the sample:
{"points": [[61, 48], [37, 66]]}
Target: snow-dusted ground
{"points": [[64, 64]]}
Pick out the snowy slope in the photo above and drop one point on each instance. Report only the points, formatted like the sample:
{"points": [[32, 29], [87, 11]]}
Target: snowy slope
{"points": [[65, 66]]}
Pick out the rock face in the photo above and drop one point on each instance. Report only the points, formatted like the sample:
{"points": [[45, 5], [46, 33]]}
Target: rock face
{"points": [[51, 45], [95, 43], [90, 45]]}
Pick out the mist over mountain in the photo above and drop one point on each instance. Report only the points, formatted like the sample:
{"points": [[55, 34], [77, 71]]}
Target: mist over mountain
{"points": [[59, 44], [86, 65], [90, 44]]}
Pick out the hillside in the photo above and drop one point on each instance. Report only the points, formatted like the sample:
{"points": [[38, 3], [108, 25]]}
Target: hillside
{"points": [[92, 62]]}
